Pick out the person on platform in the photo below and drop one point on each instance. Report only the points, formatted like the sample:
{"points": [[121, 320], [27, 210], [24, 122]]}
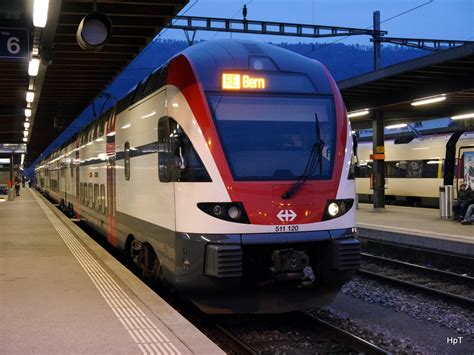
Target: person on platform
{"points": [[469, 216], [465, 198], [17, 183]]}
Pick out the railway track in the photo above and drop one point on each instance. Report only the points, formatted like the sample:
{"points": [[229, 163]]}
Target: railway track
{"points": [[292, 333], [447, 285]]}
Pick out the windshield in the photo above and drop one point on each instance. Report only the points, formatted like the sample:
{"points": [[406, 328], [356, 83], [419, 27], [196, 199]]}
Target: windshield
{"points": [[271, 137]]}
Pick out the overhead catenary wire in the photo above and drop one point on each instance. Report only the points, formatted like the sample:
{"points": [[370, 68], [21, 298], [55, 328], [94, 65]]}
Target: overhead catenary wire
{"points": [[370, 27], [233, 16]]}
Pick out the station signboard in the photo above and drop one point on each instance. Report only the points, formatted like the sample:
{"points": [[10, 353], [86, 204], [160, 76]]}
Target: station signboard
{"points": [[12, 148], [14, 43]]}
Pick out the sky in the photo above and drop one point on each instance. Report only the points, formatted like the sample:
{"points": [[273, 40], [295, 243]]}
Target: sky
{"points": [[438, 19]]}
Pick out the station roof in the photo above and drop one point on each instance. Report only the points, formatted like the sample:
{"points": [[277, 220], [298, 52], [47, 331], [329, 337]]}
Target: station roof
{"points": [[393, 88], [75, 77]]}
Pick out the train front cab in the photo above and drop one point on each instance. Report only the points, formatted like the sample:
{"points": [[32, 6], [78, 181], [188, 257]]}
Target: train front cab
{"points": [[241, 246]]}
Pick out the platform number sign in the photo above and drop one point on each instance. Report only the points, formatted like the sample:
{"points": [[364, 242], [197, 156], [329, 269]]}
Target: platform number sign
{"points": [[14, 43]]}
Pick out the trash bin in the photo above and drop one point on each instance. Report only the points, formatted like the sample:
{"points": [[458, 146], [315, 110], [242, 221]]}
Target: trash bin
{"points": [[11, 194], [446, 201]]}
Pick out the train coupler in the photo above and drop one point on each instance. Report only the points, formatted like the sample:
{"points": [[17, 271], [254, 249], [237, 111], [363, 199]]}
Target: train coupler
{"points": [[290, 265]]}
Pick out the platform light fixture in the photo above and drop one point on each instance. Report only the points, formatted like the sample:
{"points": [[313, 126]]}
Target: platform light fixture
{"points": [[358, 113], [40, 13], [30, 96], [429, 100], [33, 66], [27, 125], [395, 126], [94, 30], [463, 117], [27, 112], [25, 133], [25, 139]]}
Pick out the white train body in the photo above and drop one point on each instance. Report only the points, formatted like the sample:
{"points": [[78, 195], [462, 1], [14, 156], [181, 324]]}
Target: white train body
{"points": [[414, 170]]}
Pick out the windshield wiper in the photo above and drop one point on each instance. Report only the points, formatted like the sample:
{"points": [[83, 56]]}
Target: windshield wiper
{"points": [[313, 162]]}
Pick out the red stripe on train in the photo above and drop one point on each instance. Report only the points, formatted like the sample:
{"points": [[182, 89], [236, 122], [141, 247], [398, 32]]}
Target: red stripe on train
{"points": [[262, 200]]}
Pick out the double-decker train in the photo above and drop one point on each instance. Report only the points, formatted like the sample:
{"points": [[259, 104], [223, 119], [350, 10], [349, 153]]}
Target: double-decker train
{"points": [[414, 170], [226, 174]]}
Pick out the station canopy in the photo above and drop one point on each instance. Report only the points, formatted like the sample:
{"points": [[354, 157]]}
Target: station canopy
{"points": [[74, 77], [392, 89]]}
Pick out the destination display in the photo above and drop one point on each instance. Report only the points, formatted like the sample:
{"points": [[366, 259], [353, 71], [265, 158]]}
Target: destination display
{"points": [[238, 81], [266, 82]]}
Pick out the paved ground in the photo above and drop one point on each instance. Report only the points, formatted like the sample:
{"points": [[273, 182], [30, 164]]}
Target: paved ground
{"points": [[416, 227], [61, 293]]}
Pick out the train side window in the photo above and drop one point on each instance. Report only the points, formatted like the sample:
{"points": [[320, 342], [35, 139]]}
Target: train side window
{"points": [[97, 205], [127, 160], [151, 82], [178, 160], [365, 169], [102, 198], [164, 158], [91, 196], [430, 168]]}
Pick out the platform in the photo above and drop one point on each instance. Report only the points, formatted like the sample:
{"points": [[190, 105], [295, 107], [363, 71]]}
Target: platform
{"points": [[61, 293], [420, 227]]}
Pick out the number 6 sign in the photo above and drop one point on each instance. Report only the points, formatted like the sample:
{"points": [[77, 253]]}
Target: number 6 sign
{"points": [[14, 43]]}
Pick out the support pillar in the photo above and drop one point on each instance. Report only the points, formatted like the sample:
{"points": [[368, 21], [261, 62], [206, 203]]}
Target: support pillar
{"points": [[11, 186], [376, 39], [378, 168]]}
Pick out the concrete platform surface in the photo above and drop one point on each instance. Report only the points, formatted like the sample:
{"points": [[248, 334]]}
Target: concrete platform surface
{"points": [[61, 293], [419, 227]]}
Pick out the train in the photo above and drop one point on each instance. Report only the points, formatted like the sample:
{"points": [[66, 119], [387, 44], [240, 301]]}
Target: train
{"points": [[414, 170], [226, 174]]}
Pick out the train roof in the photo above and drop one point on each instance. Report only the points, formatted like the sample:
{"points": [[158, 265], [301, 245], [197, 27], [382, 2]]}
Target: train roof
{"points": [[212, 58]]}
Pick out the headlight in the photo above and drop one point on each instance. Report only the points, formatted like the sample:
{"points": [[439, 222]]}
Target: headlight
{"points": [[217, 210], [337, 208], [333, 209], [228, 211], [234, 212]]}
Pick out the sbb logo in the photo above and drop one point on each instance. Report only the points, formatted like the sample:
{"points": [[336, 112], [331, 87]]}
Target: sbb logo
{"points": [[286, 215]]}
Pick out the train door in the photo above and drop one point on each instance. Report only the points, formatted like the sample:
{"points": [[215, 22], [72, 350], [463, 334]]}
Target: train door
{"points": [[76, 160], [111, 180]]}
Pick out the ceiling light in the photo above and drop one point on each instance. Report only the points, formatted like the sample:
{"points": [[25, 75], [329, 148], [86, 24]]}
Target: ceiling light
{"points": [[429, 100], [30, 96], [463, 117], [27, 112], [27, 125], [25, 133], [358, 113], [25, 139], [33, 67], [40, 13], [394, 126]]}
